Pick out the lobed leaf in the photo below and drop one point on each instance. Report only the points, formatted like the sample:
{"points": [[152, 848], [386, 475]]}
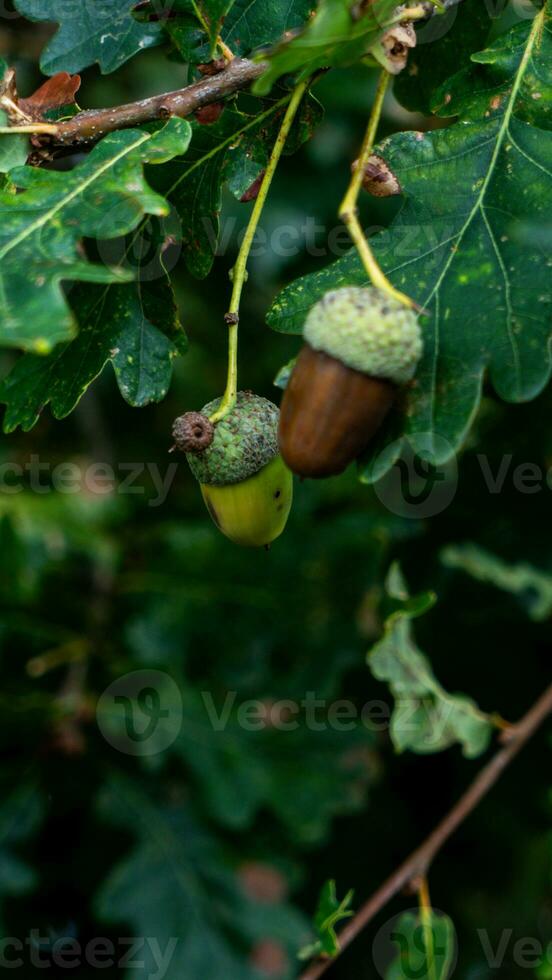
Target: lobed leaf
{"points": [[177, 885], [13, 148], [531, 585], [444, 42], [251, 24], [42, 227], [135, 327], [424, 948], [455, 248], [340, 33], [426, 718], [329, 913], [89, 32], [233, 149]]}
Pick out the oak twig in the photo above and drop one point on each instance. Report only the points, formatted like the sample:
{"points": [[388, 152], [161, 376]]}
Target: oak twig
{"points": [[416, 866], [91, 125]]}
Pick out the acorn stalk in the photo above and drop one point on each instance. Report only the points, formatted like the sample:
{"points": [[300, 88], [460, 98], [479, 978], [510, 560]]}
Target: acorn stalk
{"points": [[360, 346]]}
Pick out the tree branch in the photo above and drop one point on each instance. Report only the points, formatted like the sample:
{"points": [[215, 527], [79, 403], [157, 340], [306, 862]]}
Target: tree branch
{"points": [[86, 127], [91, 125], [416, 866]]}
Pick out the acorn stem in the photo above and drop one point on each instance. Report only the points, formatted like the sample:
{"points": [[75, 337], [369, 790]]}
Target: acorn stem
{"points": [[348, 212], [240, 268]]}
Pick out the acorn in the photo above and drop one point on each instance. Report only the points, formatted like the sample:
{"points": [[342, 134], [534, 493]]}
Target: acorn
{"points": [[246, 486], [360, 345]]}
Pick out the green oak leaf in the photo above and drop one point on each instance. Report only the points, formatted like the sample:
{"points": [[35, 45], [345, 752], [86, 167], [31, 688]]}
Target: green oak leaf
{"points": [[134, 327], [425, 949], [106, 33], [240, 766], [177, 884], [189, 39], [193, 185], [241, 770], [209, 15], [253, 23], [250, 157], [341, 32], [13, 148], [531, 585], [243, 25], [245, 167], [329, 913], [444, 42], [284, 374], [484, 87], [235, 149], [213, 13], [454, 248], [41, 229], [426, 718]]}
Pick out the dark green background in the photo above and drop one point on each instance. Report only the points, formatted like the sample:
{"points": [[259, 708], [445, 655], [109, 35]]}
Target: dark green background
{"points": [[175, 596]]}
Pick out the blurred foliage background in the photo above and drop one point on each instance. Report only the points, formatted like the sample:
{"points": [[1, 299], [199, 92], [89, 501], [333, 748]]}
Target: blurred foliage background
{"points": [[225, 838]]}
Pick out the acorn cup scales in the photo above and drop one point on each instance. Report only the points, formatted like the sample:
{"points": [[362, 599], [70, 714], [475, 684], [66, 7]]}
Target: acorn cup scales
{"points": [[246, 486], [360, 346]]}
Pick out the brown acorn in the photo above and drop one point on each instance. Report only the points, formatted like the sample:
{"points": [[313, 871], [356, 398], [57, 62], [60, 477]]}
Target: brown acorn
{"points": [[360, 345]]}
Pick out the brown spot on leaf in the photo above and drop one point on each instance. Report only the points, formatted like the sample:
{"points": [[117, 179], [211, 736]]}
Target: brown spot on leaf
{"points": [[252, 192], [209, 114]]}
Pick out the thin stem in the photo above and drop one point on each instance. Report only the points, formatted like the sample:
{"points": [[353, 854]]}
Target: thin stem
{"points": [[348, 211], [426, 913], [225, 50], [419, 862], [8, 103], [239, 272], [30, 128]]}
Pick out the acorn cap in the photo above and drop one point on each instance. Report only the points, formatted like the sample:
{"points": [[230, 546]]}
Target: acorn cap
{"points": [[366, 330], [243, 442]]}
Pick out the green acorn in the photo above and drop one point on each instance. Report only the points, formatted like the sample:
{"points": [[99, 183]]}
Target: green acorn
{"points": [[360, 346], [245, 484]]}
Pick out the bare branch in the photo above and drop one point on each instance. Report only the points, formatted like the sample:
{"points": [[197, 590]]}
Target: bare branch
{"points": [[86, 127], [416, 866]]}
